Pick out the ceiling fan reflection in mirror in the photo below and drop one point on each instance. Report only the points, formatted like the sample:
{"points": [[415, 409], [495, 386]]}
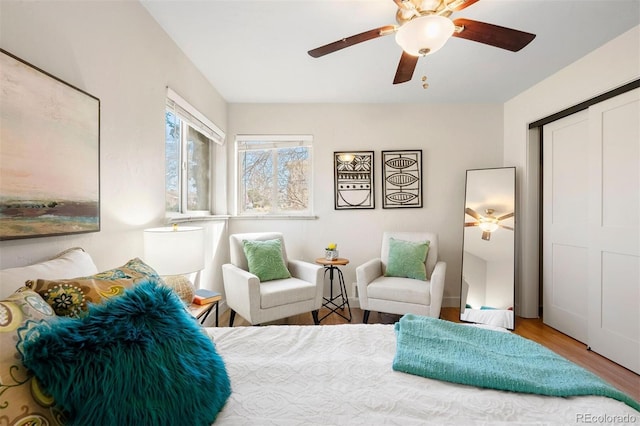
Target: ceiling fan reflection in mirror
{"points": [[424, 27], [488, 222]]}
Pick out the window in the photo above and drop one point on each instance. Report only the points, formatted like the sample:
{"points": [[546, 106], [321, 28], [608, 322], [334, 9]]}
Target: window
{"points": [[274, 175], [188, 157]]}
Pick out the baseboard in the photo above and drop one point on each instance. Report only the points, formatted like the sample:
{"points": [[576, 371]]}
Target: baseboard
{"points": [[451, 302]]}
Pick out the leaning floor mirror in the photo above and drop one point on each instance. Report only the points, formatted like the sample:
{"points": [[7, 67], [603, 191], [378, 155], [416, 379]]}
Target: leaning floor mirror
{"points": [[487, 293]]}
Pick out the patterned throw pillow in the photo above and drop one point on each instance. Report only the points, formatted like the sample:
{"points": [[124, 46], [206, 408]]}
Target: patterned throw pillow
{"points": [[71, 297], [407, 259], [139, 359], [265, 259], [22, 400]]}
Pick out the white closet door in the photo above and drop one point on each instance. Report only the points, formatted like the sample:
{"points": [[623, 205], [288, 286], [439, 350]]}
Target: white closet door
{"points": [[565, 218], [614, 231]]}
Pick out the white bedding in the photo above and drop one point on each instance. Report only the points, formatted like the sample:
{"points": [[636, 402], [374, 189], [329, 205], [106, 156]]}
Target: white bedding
{"points": [[341, 375]]}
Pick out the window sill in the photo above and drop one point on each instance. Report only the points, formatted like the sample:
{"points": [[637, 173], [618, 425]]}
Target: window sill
{"points": [[182, 218], [274, 217]]}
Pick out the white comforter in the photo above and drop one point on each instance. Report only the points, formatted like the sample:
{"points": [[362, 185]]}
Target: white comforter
{"points": [[341, 375]]}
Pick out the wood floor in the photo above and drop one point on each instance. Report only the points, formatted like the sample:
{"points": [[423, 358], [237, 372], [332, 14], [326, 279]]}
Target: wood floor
{"points": [[533, 329]]}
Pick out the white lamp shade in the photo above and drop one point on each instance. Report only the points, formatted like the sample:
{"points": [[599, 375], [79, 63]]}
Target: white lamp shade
{"points": [[425, 34], [174, 251]]}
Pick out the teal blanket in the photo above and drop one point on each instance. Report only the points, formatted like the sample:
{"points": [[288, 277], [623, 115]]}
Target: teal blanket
{"points": [[485, 358]]}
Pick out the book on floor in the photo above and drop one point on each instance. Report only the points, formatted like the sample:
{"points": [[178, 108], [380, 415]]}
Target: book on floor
{"points": [[204, 296]]}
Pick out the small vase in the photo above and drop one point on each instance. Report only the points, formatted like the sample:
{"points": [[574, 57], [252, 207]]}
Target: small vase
{"points": [[331, 254]]}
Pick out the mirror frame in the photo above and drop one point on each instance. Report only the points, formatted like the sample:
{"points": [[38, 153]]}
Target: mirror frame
{"points": [[501, 317]]}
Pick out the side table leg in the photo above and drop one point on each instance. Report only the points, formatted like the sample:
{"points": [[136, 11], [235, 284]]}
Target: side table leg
{"points": [[343, 293]]}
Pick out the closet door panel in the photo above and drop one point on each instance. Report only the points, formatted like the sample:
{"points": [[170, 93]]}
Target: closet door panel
{"points": [[614, 229], [565, 220]]}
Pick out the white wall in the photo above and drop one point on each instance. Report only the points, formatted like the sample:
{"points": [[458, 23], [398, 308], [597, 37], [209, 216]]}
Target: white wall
{"points": [[453, 138], [117, 52], [606, 68]]}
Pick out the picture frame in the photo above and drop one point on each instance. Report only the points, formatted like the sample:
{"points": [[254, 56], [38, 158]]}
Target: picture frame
{"points": [[50, 163], [402, 179], [354, 186]]}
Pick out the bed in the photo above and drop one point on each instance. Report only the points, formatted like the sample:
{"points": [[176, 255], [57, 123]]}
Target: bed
{"points": [[278, 375], [342, 374]]}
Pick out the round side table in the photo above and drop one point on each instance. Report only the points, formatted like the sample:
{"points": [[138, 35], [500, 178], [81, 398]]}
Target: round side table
{"points": [[332, 266]]}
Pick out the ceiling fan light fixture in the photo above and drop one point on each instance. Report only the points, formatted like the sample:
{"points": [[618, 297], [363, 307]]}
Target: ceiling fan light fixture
{"points": [[488, 224], [425, 34]]}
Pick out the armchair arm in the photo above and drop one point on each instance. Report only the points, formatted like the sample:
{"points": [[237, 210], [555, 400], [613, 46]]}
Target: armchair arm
{"points": [[437, 288], [242, 290], [366, 273], [309, 272]]}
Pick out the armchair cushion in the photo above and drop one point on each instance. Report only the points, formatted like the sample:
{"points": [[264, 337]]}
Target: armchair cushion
{"points": [[285, 292], [407, 259], [400, 290], [265, 259]]}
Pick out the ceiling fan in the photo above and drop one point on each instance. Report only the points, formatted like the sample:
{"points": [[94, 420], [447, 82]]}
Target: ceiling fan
{"points": [[424, 27], [488, 223]]}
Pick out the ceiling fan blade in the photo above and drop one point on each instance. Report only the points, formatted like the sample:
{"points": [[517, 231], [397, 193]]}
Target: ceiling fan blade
{"points": [[471, 212], [506, 216], [406, 67], [506, 227], [471, 224], [493, 35], [457, 5], [350, 41], [486, 235]]}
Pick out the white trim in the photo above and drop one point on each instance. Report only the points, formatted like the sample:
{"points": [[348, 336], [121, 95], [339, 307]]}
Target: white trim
{"points": [[274, 217], [262, 142], [274, 138], [210, 129]]}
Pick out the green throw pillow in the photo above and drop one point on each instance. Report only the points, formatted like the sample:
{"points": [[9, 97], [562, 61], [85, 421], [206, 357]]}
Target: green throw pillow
{"points": [[407, 258], [265, 259]]}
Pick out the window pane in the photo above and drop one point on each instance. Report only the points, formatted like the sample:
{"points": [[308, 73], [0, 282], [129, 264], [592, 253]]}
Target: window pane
{"points": [[293, 185], [256, 181], [197, 171], [172, 162], [274, 175]]}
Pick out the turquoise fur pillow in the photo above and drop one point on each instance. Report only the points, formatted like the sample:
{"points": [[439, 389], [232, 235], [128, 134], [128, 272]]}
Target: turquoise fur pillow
{"points": [[407, 258], [138, 359], [265, 259]]}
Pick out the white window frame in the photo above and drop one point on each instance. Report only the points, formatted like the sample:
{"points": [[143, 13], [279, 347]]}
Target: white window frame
{"points": [[193, 118], [271, 142]]}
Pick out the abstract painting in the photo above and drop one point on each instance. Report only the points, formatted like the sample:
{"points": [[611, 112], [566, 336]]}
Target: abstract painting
{"points": [[353, 179], [401, 179], [50, 159]]}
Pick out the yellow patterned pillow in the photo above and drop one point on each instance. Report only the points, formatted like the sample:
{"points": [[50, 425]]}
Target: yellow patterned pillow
{"points": [[70, 297], [22, 401]]}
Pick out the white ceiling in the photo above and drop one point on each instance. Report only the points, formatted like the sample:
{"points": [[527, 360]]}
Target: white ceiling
{"points": [[256, 51]]}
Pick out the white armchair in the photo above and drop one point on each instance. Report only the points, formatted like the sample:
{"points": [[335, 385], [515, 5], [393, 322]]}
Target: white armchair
{"points": [[377, 292], [260, 302]]}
